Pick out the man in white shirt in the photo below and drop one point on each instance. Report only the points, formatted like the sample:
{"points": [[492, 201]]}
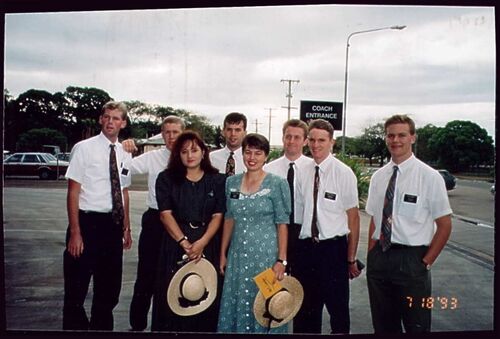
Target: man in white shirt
{"points": [[288, 167], [229, 160], [99, 225], [410, 225], [151, 163], [328, 240]]}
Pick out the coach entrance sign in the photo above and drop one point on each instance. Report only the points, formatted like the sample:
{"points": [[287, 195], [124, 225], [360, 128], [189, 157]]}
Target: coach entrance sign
{"points": [[327, 110]]}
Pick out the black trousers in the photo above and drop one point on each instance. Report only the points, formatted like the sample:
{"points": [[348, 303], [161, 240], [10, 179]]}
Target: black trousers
{"points": [[398, 288], [149, 250], [102, 260], [293, 237], [322, 270]]}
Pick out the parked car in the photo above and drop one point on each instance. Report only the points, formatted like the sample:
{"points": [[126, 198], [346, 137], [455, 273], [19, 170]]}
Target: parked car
{"points": [[449, 180], [43, 165], [63, 156]]}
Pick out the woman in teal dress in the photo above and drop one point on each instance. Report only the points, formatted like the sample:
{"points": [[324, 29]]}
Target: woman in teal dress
{"points": [[254, 237]]}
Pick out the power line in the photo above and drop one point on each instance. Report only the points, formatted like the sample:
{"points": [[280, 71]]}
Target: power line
{"points": [[289, 95], [257, 123], [270, 116]]}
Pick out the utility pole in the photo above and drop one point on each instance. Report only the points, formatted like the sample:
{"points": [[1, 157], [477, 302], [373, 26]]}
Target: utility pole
{"points": [[270, 116], [257, 123], [289, 95]]}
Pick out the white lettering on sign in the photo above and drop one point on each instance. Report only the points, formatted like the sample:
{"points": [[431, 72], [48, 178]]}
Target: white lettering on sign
{"points": [[321, 115], [317, 108]]}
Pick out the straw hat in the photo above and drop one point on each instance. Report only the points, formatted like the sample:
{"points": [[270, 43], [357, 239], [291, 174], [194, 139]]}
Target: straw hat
{"points": [[193, 288], [282, 306]]}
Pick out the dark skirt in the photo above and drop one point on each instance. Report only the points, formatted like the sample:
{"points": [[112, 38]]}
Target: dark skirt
{"points": [[163, 318]]}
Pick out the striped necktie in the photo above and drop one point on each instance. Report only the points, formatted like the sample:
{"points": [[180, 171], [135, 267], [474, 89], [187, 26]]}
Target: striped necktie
{"points": [[116, 192], [385, 234]]}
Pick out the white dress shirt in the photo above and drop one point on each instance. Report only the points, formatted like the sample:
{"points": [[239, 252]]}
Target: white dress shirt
{"points": [[337, 193], [151, 163], [280, 167], [420, 197], [219, 157], [89, 167]]}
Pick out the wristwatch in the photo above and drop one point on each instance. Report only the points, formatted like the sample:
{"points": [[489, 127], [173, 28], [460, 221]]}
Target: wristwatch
{"points": [[284, 262]]}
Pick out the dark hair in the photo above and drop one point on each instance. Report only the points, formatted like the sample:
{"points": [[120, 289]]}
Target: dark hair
{"points": [[112, 105], [296, 123], [400, 119], [257, 141], [175, 166], [322, 124], [235, 118]]}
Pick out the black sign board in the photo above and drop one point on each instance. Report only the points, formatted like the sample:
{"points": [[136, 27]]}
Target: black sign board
{"points": [[327, 110]]}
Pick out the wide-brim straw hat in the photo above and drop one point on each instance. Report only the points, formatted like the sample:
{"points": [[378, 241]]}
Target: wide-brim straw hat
{"points": [[193, 288], [282, 306]]}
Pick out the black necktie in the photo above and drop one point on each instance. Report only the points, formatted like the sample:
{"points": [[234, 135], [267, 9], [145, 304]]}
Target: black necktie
{"points": [[116, 192], [289, 177], [230, 164], [385, 234], [314, 223]]}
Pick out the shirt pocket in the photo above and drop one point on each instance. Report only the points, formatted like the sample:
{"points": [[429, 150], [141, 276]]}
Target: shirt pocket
{"points": [[331, 202], [411, 206]]}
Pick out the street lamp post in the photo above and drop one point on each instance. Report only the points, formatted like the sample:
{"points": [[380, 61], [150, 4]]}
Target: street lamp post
{"points": [[346, 71]]}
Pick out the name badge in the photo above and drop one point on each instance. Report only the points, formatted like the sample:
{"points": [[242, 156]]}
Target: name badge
{"points": [[410, 198], [330, 196], [124, 171], [234, 195]]}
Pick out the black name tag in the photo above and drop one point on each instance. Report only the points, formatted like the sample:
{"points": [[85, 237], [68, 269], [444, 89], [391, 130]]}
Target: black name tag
{"points": [[234, 195], [124, 171], [410, 198], [330, 196]]}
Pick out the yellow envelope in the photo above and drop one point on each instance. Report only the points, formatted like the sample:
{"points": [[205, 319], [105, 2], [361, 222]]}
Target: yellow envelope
{"points": [[267, 283]]}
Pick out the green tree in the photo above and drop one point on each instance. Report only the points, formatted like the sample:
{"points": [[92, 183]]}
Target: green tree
{"points": [[372, 143], [421, 147], [83, 106], [462, 145], [361, 175], [34, 139]]}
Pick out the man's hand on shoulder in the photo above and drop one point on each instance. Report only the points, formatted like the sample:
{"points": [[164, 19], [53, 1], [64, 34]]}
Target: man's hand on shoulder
{"points": [[129, 146]]}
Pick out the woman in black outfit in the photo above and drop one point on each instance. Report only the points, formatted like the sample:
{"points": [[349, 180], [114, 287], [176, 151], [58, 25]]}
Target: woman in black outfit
{"points": [[191, 201]]}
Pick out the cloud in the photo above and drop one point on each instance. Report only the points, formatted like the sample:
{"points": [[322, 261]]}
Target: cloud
{"points": [[215, 60]]}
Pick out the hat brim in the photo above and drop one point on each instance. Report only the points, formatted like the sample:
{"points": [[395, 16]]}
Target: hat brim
{"points": [[294, 288], [204, 269]]}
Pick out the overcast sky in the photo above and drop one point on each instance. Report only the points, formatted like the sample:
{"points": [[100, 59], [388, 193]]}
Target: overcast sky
{"points": [[214, 61]]}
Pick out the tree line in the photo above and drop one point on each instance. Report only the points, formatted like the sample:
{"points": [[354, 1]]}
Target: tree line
{"points": [[459, 146], [37, 117]]}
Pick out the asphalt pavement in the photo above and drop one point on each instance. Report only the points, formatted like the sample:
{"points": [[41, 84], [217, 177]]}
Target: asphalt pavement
{"points": [[34, 228]]}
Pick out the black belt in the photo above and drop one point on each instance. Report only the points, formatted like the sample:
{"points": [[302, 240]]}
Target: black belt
{"points": [[93, 212], [395, 246], [317, 240]]}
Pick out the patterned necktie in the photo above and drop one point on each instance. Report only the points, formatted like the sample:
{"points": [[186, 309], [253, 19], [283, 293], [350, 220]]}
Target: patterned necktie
{"points": [[289, 177], [385, 234], [230, 165], [116, 192], [314, 223]]}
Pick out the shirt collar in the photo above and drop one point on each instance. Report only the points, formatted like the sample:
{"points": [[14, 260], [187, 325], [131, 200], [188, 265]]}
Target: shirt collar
{"points": [[325, 163], [237, 152], [105, 141], [405, 165]]}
